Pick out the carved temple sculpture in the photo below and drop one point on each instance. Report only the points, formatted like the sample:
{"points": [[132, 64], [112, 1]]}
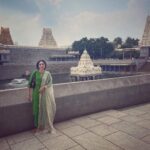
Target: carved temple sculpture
{"points": [[5, 36], [47, 39], [85, 69]]}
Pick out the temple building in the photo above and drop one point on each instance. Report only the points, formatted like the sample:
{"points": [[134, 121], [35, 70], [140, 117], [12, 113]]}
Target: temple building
{"points": [[85, 69], [5, 36], [145, 42], [146, 34], [47, 39], [4, 56], [5, 39]]}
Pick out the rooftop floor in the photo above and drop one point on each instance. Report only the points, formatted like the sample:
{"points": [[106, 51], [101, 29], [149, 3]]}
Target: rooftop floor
{"points": [[124, 129]]}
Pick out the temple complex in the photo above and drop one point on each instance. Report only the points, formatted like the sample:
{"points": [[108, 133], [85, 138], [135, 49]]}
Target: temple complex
{"points": [[5, 36], [85, 69], [47, 39]]}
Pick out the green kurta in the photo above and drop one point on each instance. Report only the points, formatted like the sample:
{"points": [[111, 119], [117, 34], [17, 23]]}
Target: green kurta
{"points": [[35, 96]]}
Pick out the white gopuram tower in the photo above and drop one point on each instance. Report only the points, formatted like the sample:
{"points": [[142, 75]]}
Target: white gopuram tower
{"points": [[85, 69], [145, 42], [146, 34], [47, 39]]}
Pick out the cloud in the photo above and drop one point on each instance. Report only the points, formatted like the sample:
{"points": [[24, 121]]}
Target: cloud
{"points": [[26, 6], [51, 2], [25, 29], [124, 23], [55, 2]]}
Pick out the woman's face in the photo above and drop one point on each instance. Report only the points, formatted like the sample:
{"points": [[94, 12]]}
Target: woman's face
{"points": [[41, 65]]}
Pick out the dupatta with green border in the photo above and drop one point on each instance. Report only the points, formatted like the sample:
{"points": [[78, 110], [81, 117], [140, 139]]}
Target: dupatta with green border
{"points": [[47, 106]]}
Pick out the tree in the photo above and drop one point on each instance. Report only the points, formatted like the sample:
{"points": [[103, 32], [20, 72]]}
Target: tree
{"points": [[96, 47], [130, 43], [80, 45], [117, 42]]}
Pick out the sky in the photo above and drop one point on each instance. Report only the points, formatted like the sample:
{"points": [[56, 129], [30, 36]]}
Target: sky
{"points": [[72, 20]]}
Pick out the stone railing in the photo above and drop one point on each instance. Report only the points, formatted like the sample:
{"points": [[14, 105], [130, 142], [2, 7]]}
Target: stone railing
{"points": [[78, 98]]}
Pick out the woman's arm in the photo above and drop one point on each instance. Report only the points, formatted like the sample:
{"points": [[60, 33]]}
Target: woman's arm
{"points": [[48, 83], [30, 89], [49, 80], [30, 94]]}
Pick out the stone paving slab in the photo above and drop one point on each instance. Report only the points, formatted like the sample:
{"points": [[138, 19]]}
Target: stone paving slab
{"points": [[124, 129], [132, 119], [86, 122], [145, 108], [134, 111], [45, 136], [146, 139], [116, 113], [144, 124], [77, 148], [103, 130], [74, 131], [3, 144], [91, 141], [113, 113], [145, 116], [97, 115], [108, 120], [31, 144], [127, 142], [60, 143], [64, 125], [19, 137], [131, 129]]}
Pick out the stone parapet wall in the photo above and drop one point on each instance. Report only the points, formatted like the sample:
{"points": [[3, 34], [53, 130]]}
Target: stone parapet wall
{"points": [[79, 98], [16, 71]]}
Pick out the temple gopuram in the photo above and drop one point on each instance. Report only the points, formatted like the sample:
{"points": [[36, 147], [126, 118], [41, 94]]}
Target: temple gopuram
{"points": [[145, 42], [47, 39], [146, 34], [5, 36], [85, 69], [5, 39]]}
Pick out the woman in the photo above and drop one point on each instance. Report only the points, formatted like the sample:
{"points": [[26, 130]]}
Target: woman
{"points": [[42, 96]]}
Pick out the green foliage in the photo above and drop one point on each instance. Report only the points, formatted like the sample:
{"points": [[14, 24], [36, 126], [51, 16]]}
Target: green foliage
{"points": [[96, 47], [102, 48], [130, 43], [117, 42]]}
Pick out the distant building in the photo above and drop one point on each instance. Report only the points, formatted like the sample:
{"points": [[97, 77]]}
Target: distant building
{"points": [[4, 56], [47, 39]]}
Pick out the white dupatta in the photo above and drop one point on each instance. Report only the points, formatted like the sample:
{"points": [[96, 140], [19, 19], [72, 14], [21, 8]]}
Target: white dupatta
{"points": [[47, 106]]}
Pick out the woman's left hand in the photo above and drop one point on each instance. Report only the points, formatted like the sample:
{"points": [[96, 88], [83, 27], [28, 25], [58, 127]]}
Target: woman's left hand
{"points": [[42, 89]]}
